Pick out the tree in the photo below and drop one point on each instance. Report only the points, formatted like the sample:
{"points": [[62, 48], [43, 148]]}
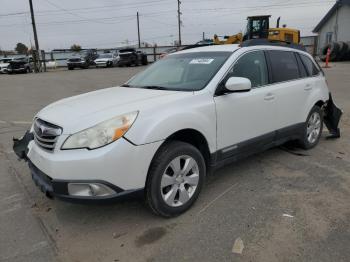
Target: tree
{"points": [[21, 48], [75, 48]]}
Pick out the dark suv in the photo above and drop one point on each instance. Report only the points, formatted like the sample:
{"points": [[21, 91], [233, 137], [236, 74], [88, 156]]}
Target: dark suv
{"points": [[20, 65], [83, 59], [129, 56]]}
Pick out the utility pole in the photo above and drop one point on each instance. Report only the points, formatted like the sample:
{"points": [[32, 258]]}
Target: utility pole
{"points": [[179, 19], [203, 37], [36, 56], [138, 29]]}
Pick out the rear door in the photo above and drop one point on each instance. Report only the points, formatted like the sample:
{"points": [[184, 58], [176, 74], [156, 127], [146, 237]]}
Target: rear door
{"points": [[291, 88]]}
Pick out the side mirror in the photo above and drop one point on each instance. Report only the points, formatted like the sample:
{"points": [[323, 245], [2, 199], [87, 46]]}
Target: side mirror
{"points": [[238, 84]]}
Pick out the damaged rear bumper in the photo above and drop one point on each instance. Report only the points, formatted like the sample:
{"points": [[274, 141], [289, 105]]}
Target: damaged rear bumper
{"points": [[332, 118]]}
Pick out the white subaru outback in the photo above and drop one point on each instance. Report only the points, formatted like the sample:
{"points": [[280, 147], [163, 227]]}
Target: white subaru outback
{"points": [[162, 131]]}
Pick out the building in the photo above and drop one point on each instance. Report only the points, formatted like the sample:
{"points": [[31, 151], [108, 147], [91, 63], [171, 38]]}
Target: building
{"points": [[310, 43], [335, 25]]}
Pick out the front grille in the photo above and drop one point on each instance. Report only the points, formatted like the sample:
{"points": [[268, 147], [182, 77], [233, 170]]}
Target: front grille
{"points": [[46, 134], [74, 60]]}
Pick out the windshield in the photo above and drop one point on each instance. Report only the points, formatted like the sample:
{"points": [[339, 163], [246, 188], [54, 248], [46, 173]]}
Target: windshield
{"points": [[105, 56], [20, 59], [182, 72], [127, 50], [6, 60]]}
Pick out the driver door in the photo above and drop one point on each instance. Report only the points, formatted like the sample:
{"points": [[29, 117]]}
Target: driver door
{"points": [[245, 120]]}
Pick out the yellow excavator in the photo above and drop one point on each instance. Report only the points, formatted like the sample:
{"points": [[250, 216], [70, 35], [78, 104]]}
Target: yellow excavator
{"points": [[258, 27]]}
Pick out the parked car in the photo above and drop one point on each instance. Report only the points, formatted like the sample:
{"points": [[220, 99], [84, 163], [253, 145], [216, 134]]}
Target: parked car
{"points": [[20, 65], [4, 63], [129, 56], [160, 133], [107, 60], [83, 59]]}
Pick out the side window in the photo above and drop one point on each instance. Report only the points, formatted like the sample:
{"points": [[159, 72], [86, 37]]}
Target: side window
{"points": [[283, 65], [329, 37], [252, 66], [311, 68]]}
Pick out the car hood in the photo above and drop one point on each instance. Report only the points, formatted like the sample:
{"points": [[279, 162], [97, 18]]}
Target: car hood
{"points": [[103, 59], [77, 113], [18, 63]]}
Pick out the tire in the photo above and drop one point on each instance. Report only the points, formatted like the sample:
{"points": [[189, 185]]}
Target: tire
{"points": [[70, 68], [312, 129], [342, 51], [162, 171], [144, 61], [347, 55]]}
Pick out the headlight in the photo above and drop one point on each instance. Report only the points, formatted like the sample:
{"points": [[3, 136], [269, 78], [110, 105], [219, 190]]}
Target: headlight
{"points": [[101, 134]]}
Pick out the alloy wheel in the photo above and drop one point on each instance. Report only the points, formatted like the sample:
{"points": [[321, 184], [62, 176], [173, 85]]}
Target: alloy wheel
{"points": [[179, 181], [313, 127]]}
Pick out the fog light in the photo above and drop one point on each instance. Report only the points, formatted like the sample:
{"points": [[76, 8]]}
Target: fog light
{"points": [[89, 189]]}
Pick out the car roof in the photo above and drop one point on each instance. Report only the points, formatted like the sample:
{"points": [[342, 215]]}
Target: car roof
{"points": [[233, 47]]}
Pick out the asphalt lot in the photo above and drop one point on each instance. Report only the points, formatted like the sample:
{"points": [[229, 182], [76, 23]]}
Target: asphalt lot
{"points": [[285, 205]]}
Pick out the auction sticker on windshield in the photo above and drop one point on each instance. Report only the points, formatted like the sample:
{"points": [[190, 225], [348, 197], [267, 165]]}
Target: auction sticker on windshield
{"points": [[202, 61]]}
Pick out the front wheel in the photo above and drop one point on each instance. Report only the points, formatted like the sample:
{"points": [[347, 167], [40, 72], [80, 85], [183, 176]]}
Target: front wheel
{"points": [[175, 179], [313, 128]]}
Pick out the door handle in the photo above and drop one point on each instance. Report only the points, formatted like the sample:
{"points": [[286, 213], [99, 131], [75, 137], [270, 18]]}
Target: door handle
{"points": [[269, 97], [307, 87]]}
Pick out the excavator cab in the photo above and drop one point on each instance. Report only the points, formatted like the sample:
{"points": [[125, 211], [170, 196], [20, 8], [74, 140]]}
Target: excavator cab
{"points": [[257, 27]]}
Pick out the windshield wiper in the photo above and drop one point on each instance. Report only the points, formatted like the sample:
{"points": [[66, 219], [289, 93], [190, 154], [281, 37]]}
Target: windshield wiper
{"points": [[154, 87], [125, 85]]}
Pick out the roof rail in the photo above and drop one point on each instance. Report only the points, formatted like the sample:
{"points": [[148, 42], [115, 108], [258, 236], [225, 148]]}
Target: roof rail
{"points": [[254, 42]]}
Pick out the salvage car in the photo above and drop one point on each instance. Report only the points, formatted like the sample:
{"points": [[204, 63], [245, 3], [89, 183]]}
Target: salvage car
{"points": [[20, 65], [129, 57], [164, 130], [107, 60], [4, 63], [83, 59]]}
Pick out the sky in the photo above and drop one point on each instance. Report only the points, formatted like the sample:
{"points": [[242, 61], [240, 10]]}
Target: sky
{"points": [[112, 23]]}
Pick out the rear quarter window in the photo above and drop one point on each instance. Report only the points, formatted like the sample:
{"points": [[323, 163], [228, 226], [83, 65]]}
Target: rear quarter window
{"points": [[284, 66], [310, 66]]}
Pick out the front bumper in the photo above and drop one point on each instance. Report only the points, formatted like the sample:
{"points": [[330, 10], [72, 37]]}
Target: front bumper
{"points": [[16, 70], [53, 188], [76, 64], [121, 166], [102, 64], [126, 61]]}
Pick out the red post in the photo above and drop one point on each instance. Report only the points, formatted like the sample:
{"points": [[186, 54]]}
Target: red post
{"points": [[327, 57]]}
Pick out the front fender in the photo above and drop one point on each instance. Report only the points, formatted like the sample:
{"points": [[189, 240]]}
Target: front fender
{"points": [[157, 126]]}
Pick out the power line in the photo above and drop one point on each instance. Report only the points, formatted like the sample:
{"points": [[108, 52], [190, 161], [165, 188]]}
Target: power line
{"points": [[73, 14]]}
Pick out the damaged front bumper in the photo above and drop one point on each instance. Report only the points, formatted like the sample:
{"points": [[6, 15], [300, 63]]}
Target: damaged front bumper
{"points": [[74, 189]]}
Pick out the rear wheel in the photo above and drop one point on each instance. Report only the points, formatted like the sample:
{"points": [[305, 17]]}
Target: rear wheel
{"points": [[313, 128], [175, 179]]}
